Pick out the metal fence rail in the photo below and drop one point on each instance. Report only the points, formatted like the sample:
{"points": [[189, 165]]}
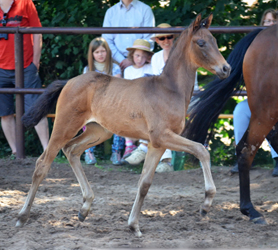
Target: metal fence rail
{"points": [[19, 84]]}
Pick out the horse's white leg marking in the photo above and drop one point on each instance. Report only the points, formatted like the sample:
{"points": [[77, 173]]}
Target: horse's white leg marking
{"points": [[93, 135], [177, 143], [150, 164]]}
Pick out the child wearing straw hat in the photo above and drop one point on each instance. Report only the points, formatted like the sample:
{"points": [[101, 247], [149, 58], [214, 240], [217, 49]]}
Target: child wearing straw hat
{"points": [[140, 55], [165, 41]]}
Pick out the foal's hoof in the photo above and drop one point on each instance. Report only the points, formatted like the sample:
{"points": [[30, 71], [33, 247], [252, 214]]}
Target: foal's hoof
{"points": [[259, 220], [135, 229], [203, 212], [137, 232], [81, 217], [19, 223]]}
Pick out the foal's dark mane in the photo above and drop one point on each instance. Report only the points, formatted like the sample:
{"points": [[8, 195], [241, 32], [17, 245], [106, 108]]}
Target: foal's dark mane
{"points": [[180, 41], [179, 46]]}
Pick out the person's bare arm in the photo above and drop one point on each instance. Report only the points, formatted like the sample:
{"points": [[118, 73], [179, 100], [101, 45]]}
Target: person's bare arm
{"points": [[37, 39], [125, 63]]}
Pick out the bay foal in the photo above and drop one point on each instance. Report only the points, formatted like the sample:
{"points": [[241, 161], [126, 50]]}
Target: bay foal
{"points": [[108, 105]]}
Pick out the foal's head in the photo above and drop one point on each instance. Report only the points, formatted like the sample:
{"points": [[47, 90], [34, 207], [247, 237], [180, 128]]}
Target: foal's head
{"points": [[203, 49]]}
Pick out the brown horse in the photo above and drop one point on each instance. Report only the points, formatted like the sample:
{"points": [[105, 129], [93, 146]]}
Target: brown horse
{"points": [[108, 105], [255, 57]]}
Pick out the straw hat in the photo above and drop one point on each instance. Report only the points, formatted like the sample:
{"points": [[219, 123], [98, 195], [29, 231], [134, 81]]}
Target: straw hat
{"points": [[162, 25], [141, 44]]}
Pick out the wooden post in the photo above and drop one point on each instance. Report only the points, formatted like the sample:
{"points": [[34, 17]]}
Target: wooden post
{"points": [[19, 100]]}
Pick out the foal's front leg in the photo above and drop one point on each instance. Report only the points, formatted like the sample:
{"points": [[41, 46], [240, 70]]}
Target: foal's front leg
{"points": [[150, 164], [177, 143], [93, 135]]}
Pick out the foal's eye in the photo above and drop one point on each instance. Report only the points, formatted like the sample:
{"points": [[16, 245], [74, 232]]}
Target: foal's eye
{"points": [[201, 42]]}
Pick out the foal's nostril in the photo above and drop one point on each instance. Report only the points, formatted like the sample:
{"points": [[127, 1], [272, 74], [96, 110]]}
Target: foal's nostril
{"points": [[225, 69]]}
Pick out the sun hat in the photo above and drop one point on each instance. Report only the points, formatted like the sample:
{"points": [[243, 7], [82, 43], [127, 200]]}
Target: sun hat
{"points": [[141, 44], [163, 25]]}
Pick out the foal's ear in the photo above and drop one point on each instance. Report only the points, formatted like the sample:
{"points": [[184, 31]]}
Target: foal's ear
{"points": [[196, 23], [207, 21]]}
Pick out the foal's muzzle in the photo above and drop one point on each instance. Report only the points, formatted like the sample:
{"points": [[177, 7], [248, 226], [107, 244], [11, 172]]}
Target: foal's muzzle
{"points": [[224, 71]]}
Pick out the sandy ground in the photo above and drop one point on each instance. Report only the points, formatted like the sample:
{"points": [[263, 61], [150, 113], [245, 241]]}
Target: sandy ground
{"points": [[169, 217]]}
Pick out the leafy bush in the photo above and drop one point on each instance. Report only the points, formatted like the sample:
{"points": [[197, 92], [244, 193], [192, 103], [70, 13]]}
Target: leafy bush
{"points": [[64, 56]]}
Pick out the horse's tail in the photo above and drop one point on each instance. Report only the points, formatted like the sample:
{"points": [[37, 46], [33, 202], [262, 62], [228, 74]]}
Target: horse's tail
{"points": [[44, 104], [205, 111]]}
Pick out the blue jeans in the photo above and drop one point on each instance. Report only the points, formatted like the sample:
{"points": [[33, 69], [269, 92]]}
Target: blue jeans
{"points": [[242, 115], [7, 80]]}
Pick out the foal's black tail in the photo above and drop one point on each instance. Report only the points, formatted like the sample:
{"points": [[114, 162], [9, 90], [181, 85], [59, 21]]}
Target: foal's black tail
{"points": [[211, 101], [44, 104]]}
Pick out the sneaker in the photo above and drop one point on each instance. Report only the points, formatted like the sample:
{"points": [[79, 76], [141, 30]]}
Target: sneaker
{"points": [[116, 159], [90, 158], [13, 156], [164, 166], [235, 168], [136, 157], [128, 151]]}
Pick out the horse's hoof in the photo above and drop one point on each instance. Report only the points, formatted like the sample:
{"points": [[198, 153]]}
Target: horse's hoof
{"points": [[136, 230], [81, 217], [19, 223], [259, 220], [138, 233], [203, 212]]}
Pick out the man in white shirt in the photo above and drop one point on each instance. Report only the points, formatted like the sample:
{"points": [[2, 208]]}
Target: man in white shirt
{"points": [[127, 13]]}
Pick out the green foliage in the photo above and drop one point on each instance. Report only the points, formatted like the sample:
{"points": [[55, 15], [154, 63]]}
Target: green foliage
{"points": [[65, 56], [4, 146], [223, 154]]}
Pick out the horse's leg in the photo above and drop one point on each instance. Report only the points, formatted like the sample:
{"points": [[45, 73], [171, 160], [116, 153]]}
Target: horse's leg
{"points": [[93, 135], [43, 165], [177, 143], [246, 151], [66, 126], [152, 159]]}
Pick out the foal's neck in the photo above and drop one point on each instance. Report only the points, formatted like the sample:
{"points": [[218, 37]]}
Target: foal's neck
{"points": [[179, 71]]}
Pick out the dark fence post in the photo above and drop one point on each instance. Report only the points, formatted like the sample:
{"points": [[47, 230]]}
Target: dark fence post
{"points": [[19, 83]]}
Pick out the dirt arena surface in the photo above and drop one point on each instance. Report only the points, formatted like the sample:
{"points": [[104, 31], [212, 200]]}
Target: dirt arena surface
{"points": [[169, 217]]}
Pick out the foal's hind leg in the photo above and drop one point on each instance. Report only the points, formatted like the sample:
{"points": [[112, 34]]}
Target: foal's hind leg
{"points": [[43, 165], [93, 135], [151, 161], [61, 134]]}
